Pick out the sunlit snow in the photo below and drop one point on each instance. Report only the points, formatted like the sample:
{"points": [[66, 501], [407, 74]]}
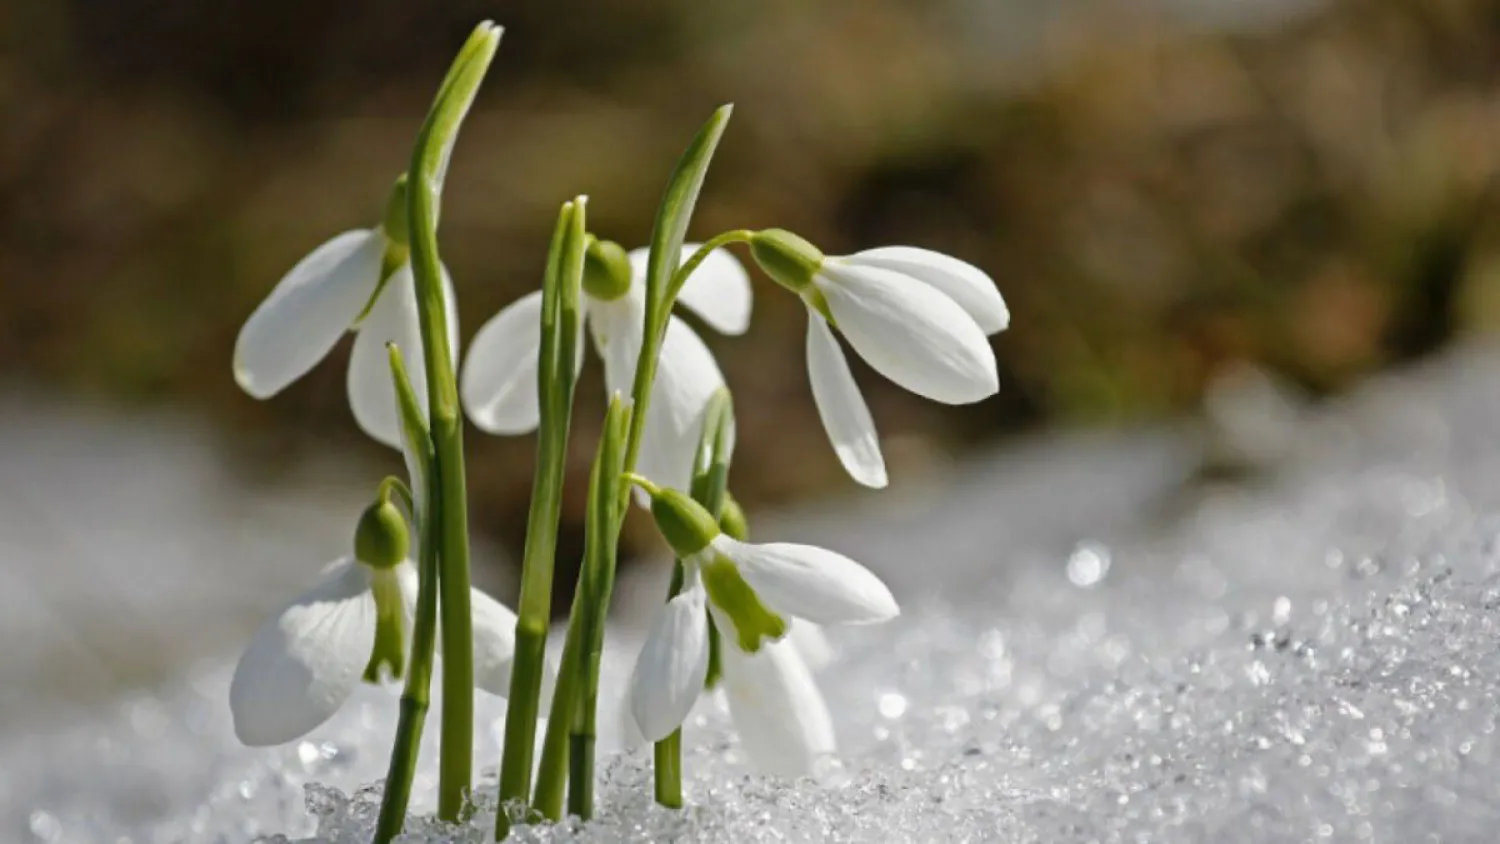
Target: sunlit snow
{"points": [[1095, 647]]}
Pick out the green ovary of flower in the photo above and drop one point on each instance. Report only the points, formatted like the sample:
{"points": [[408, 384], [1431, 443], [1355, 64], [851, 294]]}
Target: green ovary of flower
{"points": [[753, 622], [787, 258], [380, 540], [606, 270], [683, 522]]}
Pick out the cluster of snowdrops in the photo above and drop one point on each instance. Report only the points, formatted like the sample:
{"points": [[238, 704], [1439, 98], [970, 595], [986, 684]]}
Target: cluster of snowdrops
{"points": [[740, 616]]}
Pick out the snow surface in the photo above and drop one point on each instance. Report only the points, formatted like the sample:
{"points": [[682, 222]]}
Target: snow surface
{"points": [[1097, 645]]}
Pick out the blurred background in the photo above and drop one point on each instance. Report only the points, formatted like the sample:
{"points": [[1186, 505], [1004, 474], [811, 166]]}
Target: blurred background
{"points": [[1166, 192]]}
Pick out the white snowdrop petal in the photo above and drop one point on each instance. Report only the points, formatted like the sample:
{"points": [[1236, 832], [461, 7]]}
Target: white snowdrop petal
{"points": [[307, 312], [780, 715], [686, 377], [393, 319], [408, 582], [303, 662], [672, 666], [617, 326], [964, 283], [842, 406], [809, 582], [910, 333], [811, 643], [718, 291], [494, 643], [499, 381]]}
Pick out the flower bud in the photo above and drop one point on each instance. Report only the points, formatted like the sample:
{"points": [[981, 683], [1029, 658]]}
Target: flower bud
{"points": [[683, 522], [787, 258], [606, 270], [380, 539]]}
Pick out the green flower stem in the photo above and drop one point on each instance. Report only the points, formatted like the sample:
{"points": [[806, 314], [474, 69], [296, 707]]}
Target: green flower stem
{"points": [[680, 276], [557, 374], [667, 234], [597, 582], [570, 726], [429, 166], [393, 486], [670, 229], [710, 481], [552, 771], [424, 629]]}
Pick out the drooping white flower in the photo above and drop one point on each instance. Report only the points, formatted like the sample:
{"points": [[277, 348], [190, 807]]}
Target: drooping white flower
{"points": [[305, 660], [773, 701], [499, 379], [359, 281], [755, 592], [355, 622], [919, 317]]}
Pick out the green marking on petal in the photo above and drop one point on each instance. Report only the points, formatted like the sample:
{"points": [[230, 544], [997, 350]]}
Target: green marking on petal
{"points": [[388, 657], [814, 298], [739, 603]]}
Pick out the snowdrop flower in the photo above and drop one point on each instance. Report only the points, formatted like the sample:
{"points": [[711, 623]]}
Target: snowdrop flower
{"points": [[353, 624], [755, 592], [499, 386], [303, 662], [920, 318], [360, 280], [759, 691]]}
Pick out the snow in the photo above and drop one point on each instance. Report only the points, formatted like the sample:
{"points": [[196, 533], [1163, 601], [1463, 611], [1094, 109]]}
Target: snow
{"points": [[1097, 645]]}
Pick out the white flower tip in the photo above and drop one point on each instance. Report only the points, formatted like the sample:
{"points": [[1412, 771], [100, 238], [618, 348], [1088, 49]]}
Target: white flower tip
{"points": [[966, 284], [672, 666], [247, 381], [810, 583], [879, 604], [998, 323], [250, 730], [649, 718], [871, 476]]}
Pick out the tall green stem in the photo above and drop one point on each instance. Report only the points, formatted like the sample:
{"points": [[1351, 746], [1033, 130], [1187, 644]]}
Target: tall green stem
{"points": [[556, 376], [578, 673], [552, 772], [570, 726], [597, 582], [710, 482], [417, 444], [429, 166]]}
